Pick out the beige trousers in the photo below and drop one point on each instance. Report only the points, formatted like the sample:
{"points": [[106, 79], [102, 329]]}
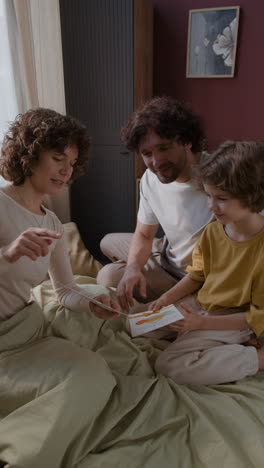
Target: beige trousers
{"points": [[116, 247], [208, 357]]}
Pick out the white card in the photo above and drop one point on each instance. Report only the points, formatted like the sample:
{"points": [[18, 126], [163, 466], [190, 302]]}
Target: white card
{"points": [[144, 322]]}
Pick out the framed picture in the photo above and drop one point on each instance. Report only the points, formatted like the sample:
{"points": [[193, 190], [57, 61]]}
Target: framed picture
{"points": [[212, 42]]}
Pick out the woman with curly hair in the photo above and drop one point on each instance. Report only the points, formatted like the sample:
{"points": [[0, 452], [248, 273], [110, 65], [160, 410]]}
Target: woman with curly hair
{"points": [[42, 377]]}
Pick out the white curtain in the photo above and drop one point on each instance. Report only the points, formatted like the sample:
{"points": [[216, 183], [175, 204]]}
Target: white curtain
{"points": [[33, 67], [35, 43], [8, 99]]}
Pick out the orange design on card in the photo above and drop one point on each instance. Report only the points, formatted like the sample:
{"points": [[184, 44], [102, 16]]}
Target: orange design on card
{"points": [[151, 319]]}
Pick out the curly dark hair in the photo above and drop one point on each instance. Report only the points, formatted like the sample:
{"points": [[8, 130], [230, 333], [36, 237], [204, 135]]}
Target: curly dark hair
{"points": [[37, 130], [236, 167], [169, 119]]}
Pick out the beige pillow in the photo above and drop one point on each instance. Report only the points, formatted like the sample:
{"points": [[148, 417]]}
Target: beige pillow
{"points": [[82, 262]]}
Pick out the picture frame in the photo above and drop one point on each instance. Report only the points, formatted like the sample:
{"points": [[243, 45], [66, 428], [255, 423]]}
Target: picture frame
{"points": [[212, 42]]}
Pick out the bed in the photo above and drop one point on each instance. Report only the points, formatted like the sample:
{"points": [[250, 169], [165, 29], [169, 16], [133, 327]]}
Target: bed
{"points": [[150, 421]]}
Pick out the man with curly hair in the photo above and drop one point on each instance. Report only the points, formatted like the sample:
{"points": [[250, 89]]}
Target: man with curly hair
{"points": [[169, 137]]}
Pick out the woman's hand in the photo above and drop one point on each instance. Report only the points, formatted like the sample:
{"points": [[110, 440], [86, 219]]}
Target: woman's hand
{"points": [[191, 321], [103, 313], [32, 243]]}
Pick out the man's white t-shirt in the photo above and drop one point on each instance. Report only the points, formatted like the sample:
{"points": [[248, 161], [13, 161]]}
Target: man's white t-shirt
{"points": [[180, 209]]}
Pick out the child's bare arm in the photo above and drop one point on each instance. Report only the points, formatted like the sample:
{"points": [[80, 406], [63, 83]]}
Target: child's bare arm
{"points": [[184, 287], [194, 321], [235, 321]]}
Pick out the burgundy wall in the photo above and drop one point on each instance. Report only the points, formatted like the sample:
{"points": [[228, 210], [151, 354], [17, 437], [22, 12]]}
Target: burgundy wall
{"points": [[231, 107]]}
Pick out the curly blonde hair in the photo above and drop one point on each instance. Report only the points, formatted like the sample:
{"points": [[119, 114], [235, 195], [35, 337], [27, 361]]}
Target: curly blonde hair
{"points": [[236, 167]]}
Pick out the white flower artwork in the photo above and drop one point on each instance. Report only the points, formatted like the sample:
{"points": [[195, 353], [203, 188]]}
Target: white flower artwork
{"points": [[212, 42], [225, 42]]}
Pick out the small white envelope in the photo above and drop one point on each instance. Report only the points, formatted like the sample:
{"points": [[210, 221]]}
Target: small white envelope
{"points": [[144, 322]]}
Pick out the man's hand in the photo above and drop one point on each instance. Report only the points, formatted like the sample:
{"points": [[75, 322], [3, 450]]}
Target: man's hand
{"points": [[103, 313], [32, 243], [192, 320], [132, 277]]}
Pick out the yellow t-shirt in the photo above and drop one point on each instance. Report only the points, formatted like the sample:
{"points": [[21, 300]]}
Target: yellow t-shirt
{"points": [[232, 274]]}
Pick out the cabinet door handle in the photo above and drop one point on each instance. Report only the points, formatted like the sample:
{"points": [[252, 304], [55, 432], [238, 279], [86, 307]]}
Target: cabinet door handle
{"points": [[124, 152]]}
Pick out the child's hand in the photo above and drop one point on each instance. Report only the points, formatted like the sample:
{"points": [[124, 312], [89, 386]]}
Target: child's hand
{"points": [[192, 320], [103, 313], [159, 303]]}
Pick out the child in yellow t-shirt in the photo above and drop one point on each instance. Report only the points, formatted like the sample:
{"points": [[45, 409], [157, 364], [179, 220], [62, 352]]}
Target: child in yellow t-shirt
{"points": [[227, 272]]}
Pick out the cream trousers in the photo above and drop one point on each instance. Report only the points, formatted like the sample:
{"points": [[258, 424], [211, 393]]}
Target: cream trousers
{"points": [[208, 357]]}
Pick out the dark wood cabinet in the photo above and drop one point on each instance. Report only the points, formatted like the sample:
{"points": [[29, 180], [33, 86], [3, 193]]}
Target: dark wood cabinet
{"points": [[107, 56]]}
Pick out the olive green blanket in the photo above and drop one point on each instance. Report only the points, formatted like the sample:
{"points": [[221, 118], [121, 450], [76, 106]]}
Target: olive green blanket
{"points": [[140, 420]]}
